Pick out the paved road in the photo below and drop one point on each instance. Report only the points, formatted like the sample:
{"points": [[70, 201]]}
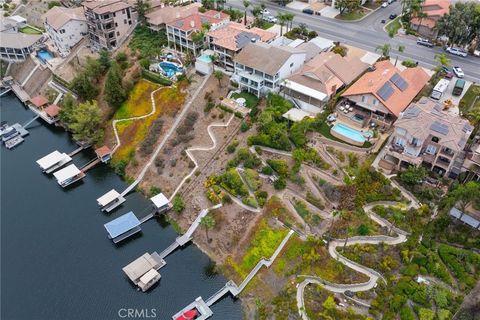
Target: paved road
{"points": [[368, 34]]}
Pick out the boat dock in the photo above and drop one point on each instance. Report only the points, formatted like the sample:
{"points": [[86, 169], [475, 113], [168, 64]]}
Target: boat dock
{"points": [[197, 308], [43, 114], [53, 161], [68, 175], [13, 135], [74, 152], [89, 165], [20, 93], [29, 122], [143, 271], [123, 227], [110, 201], [203, 307]]}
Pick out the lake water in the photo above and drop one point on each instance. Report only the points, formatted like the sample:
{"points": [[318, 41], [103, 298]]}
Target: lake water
{"points": [[56, 259]]}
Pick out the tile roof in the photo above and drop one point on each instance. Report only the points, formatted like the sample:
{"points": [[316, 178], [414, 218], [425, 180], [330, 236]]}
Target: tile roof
{"points": [[167, 14], [57, 17], [106, 6], [39, 101], [103, 151], [377, 81], [235, 36], [264, 57], [329, 71], [52, 110], [195, 21], [426, 118], [434, 9]]}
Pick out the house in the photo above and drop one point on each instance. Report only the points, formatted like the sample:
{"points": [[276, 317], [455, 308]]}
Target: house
{"points": [[322, 77], [181, 32], [426, 135], [433, 10], [227, 41], [260, 67], [471, 165], [312, 48], [378, 97], [158, 18], [65, 27], [109, 22], [16, 46]]}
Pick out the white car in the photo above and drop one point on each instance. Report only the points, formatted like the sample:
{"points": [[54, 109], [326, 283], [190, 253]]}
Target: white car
{"points": [[271, 19], [458, 72], [457, 51], [264, 12], [385, 4]]}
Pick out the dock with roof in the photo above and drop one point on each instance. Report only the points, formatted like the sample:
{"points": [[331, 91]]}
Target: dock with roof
{"points": [[68, 175], [110, 200], [143, 271], [123, 227], [53, 161]]}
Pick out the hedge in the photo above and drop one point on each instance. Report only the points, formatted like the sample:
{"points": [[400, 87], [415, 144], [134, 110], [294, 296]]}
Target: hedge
{"points": [[155, 78]]}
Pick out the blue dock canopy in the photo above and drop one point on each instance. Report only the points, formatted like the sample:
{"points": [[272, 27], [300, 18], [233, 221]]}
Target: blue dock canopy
{"points": [[122, 224]]}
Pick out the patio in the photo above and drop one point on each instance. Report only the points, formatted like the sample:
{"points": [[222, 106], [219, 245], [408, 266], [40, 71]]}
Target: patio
{"points": [[359, 117]]}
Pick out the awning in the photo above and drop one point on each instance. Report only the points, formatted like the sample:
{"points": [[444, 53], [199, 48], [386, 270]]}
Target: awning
{"points": [[108, 197], [66, 173], [305, 90]]}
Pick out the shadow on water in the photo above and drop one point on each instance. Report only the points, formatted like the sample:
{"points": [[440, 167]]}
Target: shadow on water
{"points": [[210, 270]]}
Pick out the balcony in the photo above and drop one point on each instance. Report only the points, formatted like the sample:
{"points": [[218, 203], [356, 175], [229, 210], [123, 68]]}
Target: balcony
{"points": [[447, 152]]}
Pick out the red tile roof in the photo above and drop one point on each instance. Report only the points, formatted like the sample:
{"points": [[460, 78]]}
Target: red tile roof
{"points": [[372, 82], [103, 151], [39, 101], [52, 110], [197, 20]]}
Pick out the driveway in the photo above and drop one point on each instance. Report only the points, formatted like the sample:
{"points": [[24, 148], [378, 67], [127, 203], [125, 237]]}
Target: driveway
{"points": [[455, 99]]}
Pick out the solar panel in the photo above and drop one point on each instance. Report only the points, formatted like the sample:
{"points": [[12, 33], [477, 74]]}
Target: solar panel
{"points": [[439, 127], [399, 82], [411, 112], [385, 91]]}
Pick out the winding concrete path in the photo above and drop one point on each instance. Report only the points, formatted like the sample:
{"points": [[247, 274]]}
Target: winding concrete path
{"points": [[373, 275]]}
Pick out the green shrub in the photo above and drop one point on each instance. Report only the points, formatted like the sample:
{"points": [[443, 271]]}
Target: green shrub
{"points": [[280, 184], [178, 204]]}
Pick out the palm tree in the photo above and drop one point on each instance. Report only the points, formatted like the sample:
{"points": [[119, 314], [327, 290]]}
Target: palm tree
{"points": [[385, 49], [420, 15], [442, 60], [208, 223], [289, 19], [219, 76], [281, 21], [246, 4], [256, 11], [400, 49], [213, 58]]}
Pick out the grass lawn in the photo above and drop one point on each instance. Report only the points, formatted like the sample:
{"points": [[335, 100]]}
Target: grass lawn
{"points": [[265, 25], [469, 97], [350, 16], [251, 100], [29, 30], [325, 131], [393, 27]]}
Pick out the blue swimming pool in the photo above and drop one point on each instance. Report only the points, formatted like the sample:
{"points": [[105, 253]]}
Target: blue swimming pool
{"points": [[348, 132], [205, 58], [170, 69], [44, 55]]}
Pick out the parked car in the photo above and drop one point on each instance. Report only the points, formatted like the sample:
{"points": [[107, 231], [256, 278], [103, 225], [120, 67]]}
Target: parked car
{"points": [[348, 293], [390, 1], [271, 19], [307, 11], [385, 4], [457, 51], [383, 21], [458, 72], [393, 16], [424, 42], [264, 12]]}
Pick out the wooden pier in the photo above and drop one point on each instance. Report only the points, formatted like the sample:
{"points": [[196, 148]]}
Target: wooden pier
{"points": [[20, 93], [74, 152], [89, 165]]}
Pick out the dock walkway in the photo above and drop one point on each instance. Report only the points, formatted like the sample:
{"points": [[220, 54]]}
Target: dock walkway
{"points": [[20, 93]]}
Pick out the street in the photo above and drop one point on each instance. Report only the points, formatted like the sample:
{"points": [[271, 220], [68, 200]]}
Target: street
{"points": [[368, 34]]}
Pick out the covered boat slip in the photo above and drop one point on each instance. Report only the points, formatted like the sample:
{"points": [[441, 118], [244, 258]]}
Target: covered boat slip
{"points": [[53, 161], [68, 175], [122, 227], [110, 200], [161, 202], [143, 271]]}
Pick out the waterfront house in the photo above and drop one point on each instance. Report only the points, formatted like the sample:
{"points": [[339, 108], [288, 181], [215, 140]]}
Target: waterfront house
{"points": [[425, 135], [378, 97], [109, 22], [433, 11], [65, 27], [227, 41], [158, 18], [188, 33], [16, 46], [322, 77], [260, 67], [471, 165]]}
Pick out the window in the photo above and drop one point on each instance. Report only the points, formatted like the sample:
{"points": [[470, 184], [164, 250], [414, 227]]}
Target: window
{"points": [[400, 141], [415, 142], [435, 139], [401, 131], [291, 65], [431, 149], [123, 11], [364, 99], [375, 102], [116, 24], [118, 34], [124, 21]]}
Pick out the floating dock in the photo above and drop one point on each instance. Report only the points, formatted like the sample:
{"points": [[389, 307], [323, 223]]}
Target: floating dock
{"points": [[12, 143], [198, 309], [123, 227], [110, 200], [13, 135], [53, 161], [143, 272], [68, 175]]}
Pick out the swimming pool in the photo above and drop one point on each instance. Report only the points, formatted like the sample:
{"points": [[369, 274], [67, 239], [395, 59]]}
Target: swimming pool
{"points": [[351, 135], [170, 69], [205, 58], [44, 55]]}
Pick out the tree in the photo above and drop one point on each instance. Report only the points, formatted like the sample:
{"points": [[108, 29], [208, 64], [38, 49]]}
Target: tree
{"points": [[246, 4], [178, 204], [466, 194], [329, 304], [85, 125], [142, 7], [442, 60], [208, 223], [68, 106], [400, 49], [347, 5], [462, 24], [104, 59], [281, 21], [412, 175], [384, 49], [280, 184], [94, 69], [219, 76], [426, 314], [114, 92], [83, 86], [208, 4], [214, 58], [289, 20], [256, 12]]}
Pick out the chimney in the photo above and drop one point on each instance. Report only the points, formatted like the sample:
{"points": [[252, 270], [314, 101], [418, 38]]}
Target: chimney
{"points": [[192, 23]]}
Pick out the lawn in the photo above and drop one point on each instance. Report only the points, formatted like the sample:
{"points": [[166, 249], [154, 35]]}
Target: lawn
{"points": [[265, 25], [469, 97], [29, 30], [351, 16], [251, 100], [324, 130], [393, 27]]}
